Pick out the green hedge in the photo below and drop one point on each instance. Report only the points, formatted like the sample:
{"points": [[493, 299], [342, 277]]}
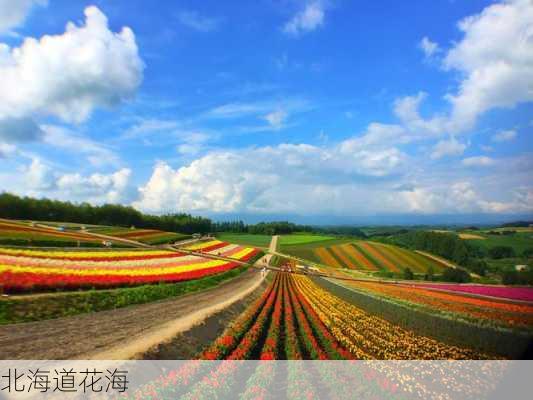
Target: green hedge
{"points": [[487, 339], [68, 304]]}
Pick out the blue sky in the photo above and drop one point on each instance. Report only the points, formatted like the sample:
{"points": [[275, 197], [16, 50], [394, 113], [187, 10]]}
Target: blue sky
{"points": [[311, 107]]}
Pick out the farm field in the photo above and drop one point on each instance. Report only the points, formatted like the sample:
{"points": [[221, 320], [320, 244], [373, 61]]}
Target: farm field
{"points": [[32, 270], [245, 239], [485, 310], [307, 250], [223, 249], [24, 234], [296, 319], [372, 256], [147, 236], [302, 238]]}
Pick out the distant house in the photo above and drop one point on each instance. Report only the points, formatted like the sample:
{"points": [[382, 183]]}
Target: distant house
{"points": [[196, 235], [107, 243], [520, 267]]}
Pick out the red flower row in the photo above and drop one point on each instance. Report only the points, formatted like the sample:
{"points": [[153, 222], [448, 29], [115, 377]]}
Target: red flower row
{"points": [[21, 282]]}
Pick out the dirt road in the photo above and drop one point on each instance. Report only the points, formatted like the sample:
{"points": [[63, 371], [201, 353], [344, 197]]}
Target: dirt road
{"points": [[121, 333]]}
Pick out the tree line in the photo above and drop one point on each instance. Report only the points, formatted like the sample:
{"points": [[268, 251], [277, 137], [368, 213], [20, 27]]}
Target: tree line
{"points": [[15, 207], [446, 245]]}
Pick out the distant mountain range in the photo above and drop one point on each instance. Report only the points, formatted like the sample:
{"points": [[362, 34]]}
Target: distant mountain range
{"points": [[381, 220]]}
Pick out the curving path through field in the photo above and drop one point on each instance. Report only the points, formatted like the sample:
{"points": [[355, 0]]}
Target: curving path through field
{"points": [[122, 333]]}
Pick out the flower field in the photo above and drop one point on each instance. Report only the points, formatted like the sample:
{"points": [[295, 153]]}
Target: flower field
{"points": [[372, 256], [148, 236], [17, 230], [295, 319], [489, 310], [512, 293], [32, 270], [223, 249]]}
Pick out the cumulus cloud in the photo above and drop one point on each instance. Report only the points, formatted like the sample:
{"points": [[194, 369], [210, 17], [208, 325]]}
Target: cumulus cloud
{"points": [[495, 58], [39, 178], [463, 197], [96, 187], [450, 147], [306, 20], [260, 179], [198, 22], [69, 75], [478, 161], [14, 12], [428, 47], [504, 136]]}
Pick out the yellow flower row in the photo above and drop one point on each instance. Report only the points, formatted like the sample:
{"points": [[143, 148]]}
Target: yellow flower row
{"points": [[203, 245], [83, 254], [111, 271], [243, 253], [368, 336]]}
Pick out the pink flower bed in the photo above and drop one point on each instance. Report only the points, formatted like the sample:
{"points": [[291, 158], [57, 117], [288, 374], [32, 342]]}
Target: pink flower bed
{"points": [[514, 293]]}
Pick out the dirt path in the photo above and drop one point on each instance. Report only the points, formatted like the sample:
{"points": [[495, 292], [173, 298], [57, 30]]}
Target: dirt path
{"points": [[121, 333], [444, 261]]}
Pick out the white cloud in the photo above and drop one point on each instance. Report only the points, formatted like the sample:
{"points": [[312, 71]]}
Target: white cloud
{"points": [[38, 176], [266, 178], [495, 58], [306, 20], [200, 23], [97, 153], [463, 197], [97, 188], [428, 47], [450, 147], [6, 150], [40, 179], [407, 110], [69, 75], [194, 142], [504, 136], [150, 126], [14, 12], [478, 161], [276, 118]]}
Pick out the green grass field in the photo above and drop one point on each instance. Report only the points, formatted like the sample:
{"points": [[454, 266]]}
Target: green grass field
{"points": [[301, 238], [519, 241], [245, 239]]}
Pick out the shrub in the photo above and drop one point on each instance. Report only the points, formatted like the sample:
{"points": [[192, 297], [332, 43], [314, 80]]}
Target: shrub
{"points": [[455, 275], [408, 274], [498, 252]]}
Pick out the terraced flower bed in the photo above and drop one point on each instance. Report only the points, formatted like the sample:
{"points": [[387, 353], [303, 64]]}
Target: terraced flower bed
{"points": [[511, 315], [32, 270], [373, 256], [224, 249], [504, 292]]}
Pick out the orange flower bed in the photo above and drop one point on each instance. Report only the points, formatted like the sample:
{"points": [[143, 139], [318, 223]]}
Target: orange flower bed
{"points": [[337, 250], [512, 314], [374, 252], [326, 257], [361, 258]]}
